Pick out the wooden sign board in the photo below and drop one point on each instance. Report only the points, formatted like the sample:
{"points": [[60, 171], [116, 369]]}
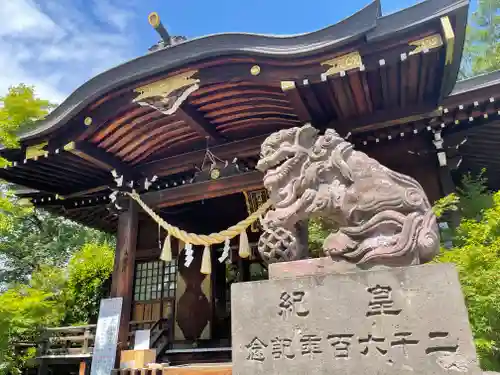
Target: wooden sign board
{"points": [[106, 338]]}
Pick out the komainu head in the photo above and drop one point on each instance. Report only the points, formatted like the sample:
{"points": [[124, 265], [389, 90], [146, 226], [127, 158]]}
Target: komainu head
{"points": [[384, 217]]}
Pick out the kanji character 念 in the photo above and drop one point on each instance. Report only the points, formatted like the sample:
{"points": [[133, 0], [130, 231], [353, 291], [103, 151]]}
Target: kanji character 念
{"points": [[256, 350]]}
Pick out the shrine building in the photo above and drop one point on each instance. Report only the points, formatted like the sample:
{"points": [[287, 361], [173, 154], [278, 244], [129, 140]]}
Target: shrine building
{"points": [[182, 127]]}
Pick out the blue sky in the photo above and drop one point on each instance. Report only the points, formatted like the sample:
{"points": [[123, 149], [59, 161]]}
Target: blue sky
{"points": [[57, 45]]}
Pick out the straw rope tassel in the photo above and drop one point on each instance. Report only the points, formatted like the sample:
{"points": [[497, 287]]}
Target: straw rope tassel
{"points": [[166, 250], [202, 239], [206, 261], [244, 250]]}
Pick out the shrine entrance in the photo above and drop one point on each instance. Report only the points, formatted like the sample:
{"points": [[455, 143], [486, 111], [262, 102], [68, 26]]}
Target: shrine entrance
{"points": [[195, 307]]}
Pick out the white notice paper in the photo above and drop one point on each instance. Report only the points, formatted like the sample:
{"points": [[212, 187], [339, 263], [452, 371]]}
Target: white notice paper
{"points": [[142, 339], [106, 337]]}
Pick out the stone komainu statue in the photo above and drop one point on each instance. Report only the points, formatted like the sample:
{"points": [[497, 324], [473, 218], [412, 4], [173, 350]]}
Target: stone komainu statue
{"points": [[384, 217]]}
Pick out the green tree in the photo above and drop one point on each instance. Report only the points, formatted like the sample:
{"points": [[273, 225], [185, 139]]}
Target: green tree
{"points": [[89, 269], [476, 254], [25, 309], [19, 111], [39, 238], [45, 280], [482, 49]]}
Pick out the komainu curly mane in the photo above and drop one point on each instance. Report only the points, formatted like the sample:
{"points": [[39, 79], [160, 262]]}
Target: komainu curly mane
{"points": [[384, 216]]}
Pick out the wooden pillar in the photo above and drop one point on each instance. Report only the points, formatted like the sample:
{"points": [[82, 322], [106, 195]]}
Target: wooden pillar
{"points": [[123, 273], [43, 368], [446, 182]]}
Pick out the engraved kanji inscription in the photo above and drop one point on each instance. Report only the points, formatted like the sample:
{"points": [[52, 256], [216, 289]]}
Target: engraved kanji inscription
{"points": [[372, 341], [282, 348], [292, 304], [403, 340], [443, 343], [340, 343], [381, 302], [256, 350], [310, 345]]}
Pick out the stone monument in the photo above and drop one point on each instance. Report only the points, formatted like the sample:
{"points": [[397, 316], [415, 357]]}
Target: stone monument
{"points": [[371, 306]]}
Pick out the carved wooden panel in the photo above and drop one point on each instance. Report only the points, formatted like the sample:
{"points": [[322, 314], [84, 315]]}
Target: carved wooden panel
{"points": [[193, 310]]}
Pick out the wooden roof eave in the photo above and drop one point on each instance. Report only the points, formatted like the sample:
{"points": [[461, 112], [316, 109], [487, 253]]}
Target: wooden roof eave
{"points": [[365, 23], [201, 48], [424, 12]]}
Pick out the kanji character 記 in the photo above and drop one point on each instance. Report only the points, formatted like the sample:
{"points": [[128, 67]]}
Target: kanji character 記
{"points": [[403, 340], [372, 340], [282, 348], [256, 350], [292, 304], [381, 302], [310, 344], [340, 343], [445, 343]]}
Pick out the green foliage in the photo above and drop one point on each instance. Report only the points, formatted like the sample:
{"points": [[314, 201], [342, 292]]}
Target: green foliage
{"points": [[446, 204], [88, 270], [474, 196], [319, 229], [39, 238], [476, 253], [24, 310], [54, 296], [482, 50], [53, 271], [19, 110]]}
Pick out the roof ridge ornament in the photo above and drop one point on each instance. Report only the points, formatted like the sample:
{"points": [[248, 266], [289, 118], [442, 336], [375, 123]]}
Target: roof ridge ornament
{"points": [[167, 40]]}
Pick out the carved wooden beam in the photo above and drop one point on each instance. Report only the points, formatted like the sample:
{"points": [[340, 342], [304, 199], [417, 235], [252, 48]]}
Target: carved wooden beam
{"points": [[204, 190], [383, 118]]}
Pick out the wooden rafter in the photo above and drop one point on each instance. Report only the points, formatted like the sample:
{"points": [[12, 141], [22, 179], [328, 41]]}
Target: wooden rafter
{"points": [[98, 157], [197, 122]]}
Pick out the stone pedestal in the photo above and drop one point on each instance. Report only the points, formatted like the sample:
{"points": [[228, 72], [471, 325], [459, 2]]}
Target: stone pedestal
{"points": [[393, 321]]}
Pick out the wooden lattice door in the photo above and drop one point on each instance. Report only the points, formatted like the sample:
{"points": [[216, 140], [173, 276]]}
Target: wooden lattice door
{"points": [[154, 293]]}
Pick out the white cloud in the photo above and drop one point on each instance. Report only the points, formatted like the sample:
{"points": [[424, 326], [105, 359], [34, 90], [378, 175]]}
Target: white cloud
{"points": [[23, 18], [58, 45]]}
